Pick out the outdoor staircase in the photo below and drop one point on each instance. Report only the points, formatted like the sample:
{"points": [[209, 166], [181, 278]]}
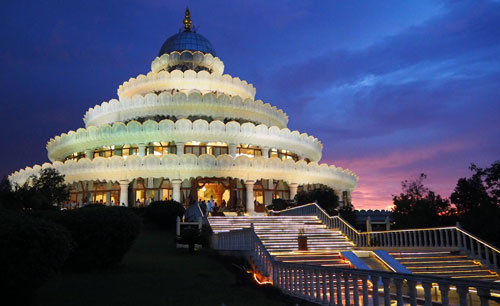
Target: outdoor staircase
{"points": [[301, 277], [444, 263], [279, 236]]}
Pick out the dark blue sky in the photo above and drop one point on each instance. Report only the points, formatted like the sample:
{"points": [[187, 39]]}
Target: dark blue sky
{"points": [[391, 88]]}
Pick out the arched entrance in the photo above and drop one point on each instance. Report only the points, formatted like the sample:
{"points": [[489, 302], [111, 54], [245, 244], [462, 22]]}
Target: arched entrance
{"points": [[218, 188]]}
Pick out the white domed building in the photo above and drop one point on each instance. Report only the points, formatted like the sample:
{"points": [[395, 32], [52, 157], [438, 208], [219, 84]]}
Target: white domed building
{"points": [[187, 130]]}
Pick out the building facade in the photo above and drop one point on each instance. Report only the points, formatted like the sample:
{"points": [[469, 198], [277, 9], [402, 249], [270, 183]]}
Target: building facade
{"points": [[186, 130]]}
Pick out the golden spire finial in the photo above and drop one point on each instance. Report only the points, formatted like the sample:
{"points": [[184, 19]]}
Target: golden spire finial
{"points": [[187, 21]]}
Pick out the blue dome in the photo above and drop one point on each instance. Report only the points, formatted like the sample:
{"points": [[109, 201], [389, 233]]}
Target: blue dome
{"points": [[187, 41]]}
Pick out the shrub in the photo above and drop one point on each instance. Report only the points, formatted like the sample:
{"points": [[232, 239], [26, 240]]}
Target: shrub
{"points": [[102, 235], [93, 205], [164, 213], [139, 211], [279, 204], [31, 250]]}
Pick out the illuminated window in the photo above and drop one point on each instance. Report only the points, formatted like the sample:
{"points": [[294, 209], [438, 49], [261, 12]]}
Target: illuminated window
{"points": [[248, 150], [283, 154]]}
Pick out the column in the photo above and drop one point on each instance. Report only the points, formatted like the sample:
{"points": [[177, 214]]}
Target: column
{"points": [[293, 190], [108, 198], [109, 185], [445, 289], [355, 291], [427, 294], [375, 280], [338, 193], [265, 152], [249, 204], [89, 153], [364, 280], [347, 295], [124, 192], [176, 190], [232, 149], [90, 193], [462, 295], [484, 295], [399, 291], [339, 288], [149, 191], [160, 195], [368, 224], [317, 286], [142, 149], [412, 288], [332, 289], [301, 282], [387, 291], [325, 289], [179, 148], [348, 198]]}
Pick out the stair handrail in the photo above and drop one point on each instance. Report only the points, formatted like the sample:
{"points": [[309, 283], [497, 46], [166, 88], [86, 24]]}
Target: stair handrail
{"points": [[315, 282], [492, 247], [332, 222], [447, 236], [261, 255], [439, 237]]}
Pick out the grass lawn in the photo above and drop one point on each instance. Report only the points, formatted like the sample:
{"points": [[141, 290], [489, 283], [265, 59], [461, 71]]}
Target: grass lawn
{"points": [[155, 273]]}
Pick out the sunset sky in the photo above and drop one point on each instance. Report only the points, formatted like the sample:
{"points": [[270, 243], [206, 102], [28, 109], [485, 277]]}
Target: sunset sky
{"points": [[391, 88]]}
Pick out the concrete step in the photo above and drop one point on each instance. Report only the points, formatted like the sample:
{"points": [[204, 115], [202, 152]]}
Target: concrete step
{"points": [[442, 263], [279, 236]]}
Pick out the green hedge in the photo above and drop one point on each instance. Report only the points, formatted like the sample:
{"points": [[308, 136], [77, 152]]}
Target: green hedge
{"points": [[164, 213], [102, 235], [31, 250]]}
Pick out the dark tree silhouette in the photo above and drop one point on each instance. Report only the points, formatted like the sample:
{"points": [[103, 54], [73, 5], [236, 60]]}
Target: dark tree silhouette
{"points": [[417, 206], [477, 201], [324, 196], [40, 191], [347, 213]]}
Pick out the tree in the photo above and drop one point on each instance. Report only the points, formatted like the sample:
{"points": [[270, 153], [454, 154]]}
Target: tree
{"points": [[469, 194], [482, 189], [417, 206], [7, 197], [50, 183], [491, 178], [324, 196], [477, 201], [347, 213], [41, 191]]}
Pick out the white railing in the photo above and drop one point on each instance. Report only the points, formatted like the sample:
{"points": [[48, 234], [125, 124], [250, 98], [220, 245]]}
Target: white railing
{"points": [[235, 240], [437, 237], [179, 224], [335, 222], [341, 286]]}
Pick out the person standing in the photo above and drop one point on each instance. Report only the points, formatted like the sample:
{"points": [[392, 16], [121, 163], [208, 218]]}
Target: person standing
{"points": [[211, 205], [203, 208]]}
